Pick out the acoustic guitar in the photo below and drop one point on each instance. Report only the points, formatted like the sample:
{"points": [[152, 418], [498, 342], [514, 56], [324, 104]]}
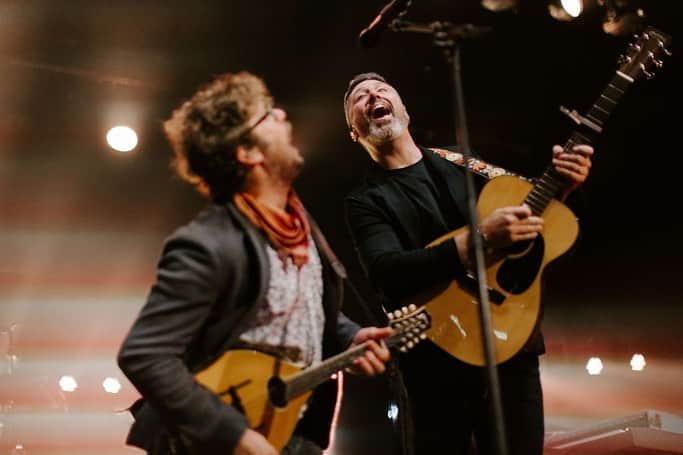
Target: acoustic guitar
{"points": [[513, 280], [272, 393]]}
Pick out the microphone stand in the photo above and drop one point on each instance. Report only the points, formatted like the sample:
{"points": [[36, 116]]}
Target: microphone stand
{"points": [[448, 37]]}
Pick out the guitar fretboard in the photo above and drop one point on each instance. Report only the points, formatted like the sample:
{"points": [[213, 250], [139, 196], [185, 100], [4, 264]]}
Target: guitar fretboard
{"points": [[311, 378], [550, 184]]}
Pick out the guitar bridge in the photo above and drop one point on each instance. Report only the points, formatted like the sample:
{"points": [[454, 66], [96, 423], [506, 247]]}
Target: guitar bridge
{"points": [[234, 396]]}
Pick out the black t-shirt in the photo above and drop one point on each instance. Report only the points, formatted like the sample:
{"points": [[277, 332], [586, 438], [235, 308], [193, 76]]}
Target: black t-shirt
{"points": [[396, 213], [430, 198]]}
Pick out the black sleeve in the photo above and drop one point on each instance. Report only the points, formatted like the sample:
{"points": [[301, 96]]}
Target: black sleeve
{"points": [[346, 330], [392, 269], [152, 355]]}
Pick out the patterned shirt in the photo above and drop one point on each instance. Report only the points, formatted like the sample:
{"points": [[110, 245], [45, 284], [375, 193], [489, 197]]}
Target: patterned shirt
{"points": [[289, 323]]}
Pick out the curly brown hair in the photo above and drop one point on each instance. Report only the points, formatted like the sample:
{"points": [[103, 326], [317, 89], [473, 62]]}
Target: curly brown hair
{"points": [[205, 131]]}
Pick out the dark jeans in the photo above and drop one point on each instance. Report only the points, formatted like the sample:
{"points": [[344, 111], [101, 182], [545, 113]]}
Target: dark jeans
{"points": [[439, 385]]}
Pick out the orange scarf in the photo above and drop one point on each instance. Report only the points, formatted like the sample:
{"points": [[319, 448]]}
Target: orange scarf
{"points": [[288, 230]]}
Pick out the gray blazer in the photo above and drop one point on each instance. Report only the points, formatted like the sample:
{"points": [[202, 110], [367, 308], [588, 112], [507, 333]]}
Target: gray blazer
{"points": [[211, 274]]}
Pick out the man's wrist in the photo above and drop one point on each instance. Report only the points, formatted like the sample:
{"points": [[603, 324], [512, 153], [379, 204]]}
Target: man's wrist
{"points": [[484, 238]]}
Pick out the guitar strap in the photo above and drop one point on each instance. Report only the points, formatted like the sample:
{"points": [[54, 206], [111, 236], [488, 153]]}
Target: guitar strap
{"points": [[321, 241], [486, 170], [340, 270]]}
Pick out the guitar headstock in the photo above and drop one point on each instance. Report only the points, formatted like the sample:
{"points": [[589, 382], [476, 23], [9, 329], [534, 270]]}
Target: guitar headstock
{"points": [[644, 55], [410, 324]]}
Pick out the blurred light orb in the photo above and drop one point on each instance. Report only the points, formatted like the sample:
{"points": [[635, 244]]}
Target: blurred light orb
{"points": [[594, 366], [122, 138], [68, 383], [572, 7], [565, 10], [638, 362], [499, 5], [111, 385], [392, 411]]}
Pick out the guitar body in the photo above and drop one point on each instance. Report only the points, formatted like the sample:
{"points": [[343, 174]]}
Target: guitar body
{"points": [[272, 393], [240, 378], [514, 282]]}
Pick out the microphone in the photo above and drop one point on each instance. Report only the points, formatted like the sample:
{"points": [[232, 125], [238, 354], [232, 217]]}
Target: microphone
{"points": [[370, 35]]}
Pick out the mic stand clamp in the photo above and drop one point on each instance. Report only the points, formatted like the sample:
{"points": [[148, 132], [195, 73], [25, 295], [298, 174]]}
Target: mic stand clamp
{"points": [[448, 36], [445, 34]]}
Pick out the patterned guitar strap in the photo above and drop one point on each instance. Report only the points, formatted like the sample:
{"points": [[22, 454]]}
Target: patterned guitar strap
{"points": [[477, 166]]}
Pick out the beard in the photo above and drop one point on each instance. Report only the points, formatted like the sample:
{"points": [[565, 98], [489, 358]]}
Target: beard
{"points": [[381, 134], [283, 159], [288, 169]]}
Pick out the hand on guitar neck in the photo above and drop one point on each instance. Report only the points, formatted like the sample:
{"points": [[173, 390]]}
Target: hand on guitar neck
{"points": [[373, 361], [574, 165], [507, 226]]}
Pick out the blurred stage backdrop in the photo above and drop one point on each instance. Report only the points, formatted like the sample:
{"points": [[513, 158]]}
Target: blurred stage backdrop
{"points": [[81, 225]]}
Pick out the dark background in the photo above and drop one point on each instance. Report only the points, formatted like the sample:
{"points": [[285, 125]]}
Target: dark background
{"points": [[82, 226]]}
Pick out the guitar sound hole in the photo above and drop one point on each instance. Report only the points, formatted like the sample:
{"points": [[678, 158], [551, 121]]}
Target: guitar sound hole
{"points": [[521, 266], [277, 392]]}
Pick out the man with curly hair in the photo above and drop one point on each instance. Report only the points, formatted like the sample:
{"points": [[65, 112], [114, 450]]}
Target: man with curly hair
{"points": [[250, 271]]}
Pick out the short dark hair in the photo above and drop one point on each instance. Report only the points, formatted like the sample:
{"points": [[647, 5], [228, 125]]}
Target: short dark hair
{"points": [[205, 131], [355, 80]]}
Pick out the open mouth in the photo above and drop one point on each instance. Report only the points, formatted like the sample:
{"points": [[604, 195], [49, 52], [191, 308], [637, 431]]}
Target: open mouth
{"points": [[379, 111]]}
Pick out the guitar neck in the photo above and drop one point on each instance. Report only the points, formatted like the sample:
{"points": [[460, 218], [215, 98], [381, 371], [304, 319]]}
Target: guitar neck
{"points": [[551, 183], [310, 378]]}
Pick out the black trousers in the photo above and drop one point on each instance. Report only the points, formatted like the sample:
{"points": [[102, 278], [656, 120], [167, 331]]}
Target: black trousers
{"points": [[438, 385]]}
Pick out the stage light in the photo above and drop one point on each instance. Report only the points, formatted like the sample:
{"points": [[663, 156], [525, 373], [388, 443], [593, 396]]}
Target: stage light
{"points": [[122, 138], [594, 366], [566, 10], [622, 17], [111, 385], [499, 5], [638, 362], [68, 383]]}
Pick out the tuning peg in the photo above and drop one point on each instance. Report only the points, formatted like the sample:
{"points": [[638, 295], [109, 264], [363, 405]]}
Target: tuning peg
{"points": [[647, 74], [623, 59], [658, 63], [665, 50]]}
